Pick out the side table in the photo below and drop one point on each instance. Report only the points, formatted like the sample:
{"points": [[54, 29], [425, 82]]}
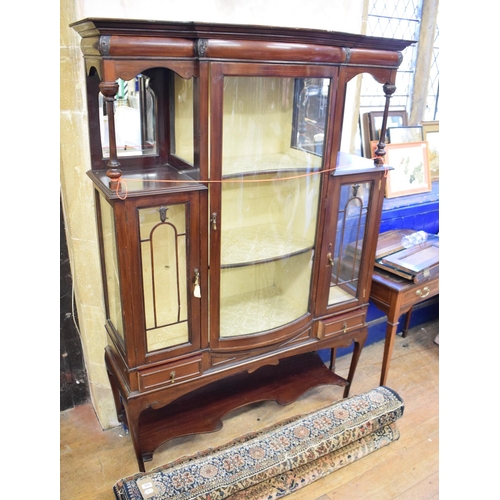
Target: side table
{"points": [[396, 296]]}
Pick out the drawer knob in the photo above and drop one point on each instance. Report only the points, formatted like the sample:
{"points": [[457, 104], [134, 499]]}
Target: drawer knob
{"points": [[424, 292], [172, 376]]}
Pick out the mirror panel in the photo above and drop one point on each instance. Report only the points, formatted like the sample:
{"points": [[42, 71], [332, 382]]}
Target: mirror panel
{"points": [[135, 119]]}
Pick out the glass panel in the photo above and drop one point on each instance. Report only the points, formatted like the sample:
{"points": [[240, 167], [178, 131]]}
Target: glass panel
{"points": [[112, 280], [183, 119], [311, 106], [346, 258], [164, 275], [135, 117], [258, 119], [270, 199]]}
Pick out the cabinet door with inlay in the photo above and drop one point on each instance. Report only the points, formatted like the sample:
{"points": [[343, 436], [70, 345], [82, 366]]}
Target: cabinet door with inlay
{"points": [[351, 226], [170, 276]]}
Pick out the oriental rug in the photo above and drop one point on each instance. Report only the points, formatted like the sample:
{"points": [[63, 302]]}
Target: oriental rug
{"points": [[279, 459]]}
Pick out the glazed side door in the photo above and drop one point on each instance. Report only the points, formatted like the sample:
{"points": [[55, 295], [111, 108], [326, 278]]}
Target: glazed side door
{"points": [[349, 241], [169, 272]]}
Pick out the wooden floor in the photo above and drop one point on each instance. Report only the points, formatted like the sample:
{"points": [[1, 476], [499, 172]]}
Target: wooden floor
{"points": [[92, 460]]}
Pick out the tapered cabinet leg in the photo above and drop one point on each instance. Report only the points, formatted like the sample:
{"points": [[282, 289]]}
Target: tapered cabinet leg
{"points": [[127, 414], [333, 357], [133, 419], [120, 409]]}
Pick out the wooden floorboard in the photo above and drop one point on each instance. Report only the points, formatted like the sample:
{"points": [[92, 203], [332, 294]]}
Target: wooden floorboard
{"points": [[92, 460]]}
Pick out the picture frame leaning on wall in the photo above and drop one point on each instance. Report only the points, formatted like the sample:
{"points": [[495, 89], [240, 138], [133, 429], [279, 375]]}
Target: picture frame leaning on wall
{"points": [[410, 172], [430, 133]]}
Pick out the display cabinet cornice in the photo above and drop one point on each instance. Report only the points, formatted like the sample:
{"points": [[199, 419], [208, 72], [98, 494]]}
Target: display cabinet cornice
{"points": [[235, 239]]}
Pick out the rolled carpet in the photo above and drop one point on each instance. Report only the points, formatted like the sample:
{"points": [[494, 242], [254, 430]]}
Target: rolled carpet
{"points": [[278, 459]]}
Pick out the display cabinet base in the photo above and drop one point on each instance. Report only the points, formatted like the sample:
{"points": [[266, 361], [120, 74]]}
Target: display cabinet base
{"points": [[203, 409]]}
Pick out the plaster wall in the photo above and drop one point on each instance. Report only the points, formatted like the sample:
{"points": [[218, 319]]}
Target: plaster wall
{"points": [[76, 189]]}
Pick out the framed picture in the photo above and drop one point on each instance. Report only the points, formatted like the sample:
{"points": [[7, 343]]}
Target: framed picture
{"points": [[397, 135], [394, 119], [372, 123], [430, 131], [410, 172]]}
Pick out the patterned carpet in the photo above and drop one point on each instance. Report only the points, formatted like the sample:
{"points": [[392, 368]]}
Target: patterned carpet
{"points": [[278, 460]]}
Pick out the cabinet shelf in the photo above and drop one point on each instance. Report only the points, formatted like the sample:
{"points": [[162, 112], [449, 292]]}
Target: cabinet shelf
{"points": [[262, 243], [299, 161], [160, 179], [266, 296], [258, 311], [283, 383], [339, 295]]}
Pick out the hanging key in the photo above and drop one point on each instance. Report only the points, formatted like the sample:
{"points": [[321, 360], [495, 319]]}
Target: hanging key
{"points": [[197, 289]]}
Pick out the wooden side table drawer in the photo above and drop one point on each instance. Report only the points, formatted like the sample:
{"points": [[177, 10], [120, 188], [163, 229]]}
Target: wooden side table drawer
{"points": [[420, 292], [170, 373], [340, 324]]}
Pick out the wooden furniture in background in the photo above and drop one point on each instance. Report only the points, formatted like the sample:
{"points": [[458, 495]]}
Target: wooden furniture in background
{"points": [[225, 213], [396, 296]]}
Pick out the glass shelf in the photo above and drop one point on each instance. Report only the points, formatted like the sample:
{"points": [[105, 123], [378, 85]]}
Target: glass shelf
{"points": [[338, 295], [256, 311], [295, 160], [243, 246], [264, 296]]}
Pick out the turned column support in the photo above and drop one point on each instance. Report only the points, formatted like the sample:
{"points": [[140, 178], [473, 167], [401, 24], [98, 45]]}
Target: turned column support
{"points": [[389, 89], [109, 91]]}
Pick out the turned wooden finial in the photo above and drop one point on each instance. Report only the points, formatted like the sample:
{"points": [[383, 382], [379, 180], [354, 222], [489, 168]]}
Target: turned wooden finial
{"points": [[109, 90], [389, 89]]}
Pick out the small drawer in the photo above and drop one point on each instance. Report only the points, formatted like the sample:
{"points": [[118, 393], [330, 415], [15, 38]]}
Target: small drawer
{"points": [[340, 324], [420, 292], [169, 374]]}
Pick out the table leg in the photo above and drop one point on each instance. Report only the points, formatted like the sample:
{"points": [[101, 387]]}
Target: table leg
{"points": [[390, 335], [407, 322]]}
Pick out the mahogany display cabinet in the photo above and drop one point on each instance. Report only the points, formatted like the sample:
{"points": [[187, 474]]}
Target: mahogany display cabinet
{"points": [[236, 240]]}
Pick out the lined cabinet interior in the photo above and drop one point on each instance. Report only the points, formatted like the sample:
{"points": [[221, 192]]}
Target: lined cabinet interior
{"points": [[234, 236]]}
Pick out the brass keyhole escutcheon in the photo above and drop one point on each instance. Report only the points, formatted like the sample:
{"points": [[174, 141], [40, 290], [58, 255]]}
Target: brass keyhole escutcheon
{"points": [[163, 213], [172, 376], [344, 327]]}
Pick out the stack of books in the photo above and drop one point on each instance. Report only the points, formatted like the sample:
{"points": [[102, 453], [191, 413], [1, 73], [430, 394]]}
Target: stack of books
{"points": [[416, 263]]}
